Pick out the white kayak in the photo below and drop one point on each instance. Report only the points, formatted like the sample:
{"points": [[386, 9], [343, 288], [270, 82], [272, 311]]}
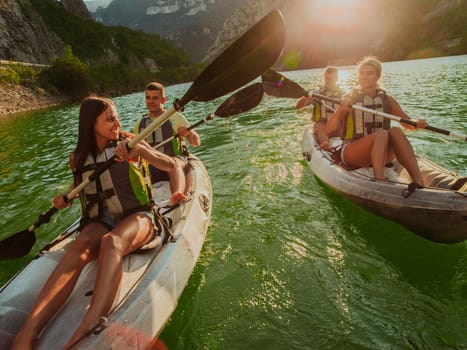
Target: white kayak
{"points": [[437, 212], [152, 283]]}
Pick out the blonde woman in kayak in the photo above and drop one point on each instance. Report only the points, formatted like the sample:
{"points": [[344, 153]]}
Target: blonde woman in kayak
{"points": [[369, 140], [117, 219]]}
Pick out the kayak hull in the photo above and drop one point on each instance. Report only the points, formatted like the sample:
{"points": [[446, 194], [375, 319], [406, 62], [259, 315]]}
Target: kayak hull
{"points": [[437, 214], [152, 282]]}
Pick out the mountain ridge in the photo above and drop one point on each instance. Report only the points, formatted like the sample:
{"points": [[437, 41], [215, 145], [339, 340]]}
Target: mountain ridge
{"points": [[188, 24], [413, 28]]}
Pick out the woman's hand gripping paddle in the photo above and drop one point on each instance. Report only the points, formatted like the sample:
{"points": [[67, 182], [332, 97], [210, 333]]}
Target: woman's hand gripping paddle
{"points": [[244, 60], [240, 102], [277, 85]]}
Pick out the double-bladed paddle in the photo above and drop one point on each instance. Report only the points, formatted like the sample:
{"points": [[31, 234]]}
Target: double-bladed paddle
{"points": [[244, 60], [393, 117], [277, 85], [242, 101]]}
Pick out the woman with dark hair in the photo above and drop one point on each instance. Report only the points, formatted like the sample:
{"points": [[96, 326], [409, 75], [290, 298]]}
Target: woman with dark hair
{"points": [[117, 218]]}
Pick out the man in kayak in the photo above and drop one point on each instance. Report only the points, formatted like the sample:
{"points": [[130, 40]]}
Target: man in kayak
{"points": [[117, 219], [323, 110], [368, 139], [176, 148]]}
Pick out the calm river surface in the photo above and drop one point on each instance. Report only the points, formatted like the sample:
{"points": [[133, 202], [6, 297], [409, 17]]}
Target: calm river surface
{"points": [[287, 263]]}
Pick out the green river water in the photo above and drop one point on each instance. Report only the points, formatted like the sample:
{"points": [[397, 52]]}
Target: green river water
{"points": [[287, 264]]}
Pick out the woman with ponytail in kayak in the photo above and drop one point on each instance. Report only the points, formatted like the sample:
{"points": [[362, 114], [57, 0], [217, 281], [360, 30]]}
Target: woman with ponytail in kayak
{"points": [[369, 140], [117, 219], [323, 110]]}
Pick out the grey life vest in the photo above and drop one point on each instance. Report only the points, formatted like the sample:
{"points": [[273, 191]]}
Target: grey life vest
{"points": [[160, 134], [124, 188], [320, 112], [359, 124]]}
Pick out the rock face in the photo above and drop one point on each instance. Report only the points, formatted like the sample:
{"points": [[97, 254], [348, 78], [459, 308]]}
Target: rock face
{"points": [[239, 22], [190, 8], [24, 36], [190, 24], [76, 7]]}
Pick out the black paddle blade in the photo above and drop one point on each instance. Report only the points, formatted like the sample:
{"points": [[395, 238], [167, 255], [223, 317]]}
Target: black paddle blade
{"points": [[17, 245], [277, 85], [242, 101], [245, 59], [21, 243]]}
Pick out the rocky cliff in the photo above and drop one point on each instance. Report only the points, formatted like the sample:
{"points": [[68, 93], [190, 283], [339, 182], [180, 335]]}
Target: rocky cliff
{"points": [[37, 31], [24, 34], [192, 25], [239, 22], [76, 7]]}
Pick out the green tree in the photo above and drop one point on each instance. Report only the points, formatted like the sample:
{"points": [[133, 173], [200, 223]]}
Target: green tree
{"points": [[68, 75], [9, 75]]}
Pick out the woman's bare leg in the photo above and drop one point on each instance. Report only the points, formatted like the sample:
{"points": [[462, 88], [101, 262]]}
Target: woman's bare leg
{"points": [[126, 237], [405, 154], [379, 153], [371, 150], [187, 171], [59, 285], [177, 182], [320, 131]]}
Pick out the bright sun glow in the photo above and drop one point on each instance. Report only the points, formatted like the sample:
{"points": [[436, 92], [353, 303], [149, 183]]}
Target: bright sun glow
{"points": [[332, 32], [339, 2], [340, 13]]}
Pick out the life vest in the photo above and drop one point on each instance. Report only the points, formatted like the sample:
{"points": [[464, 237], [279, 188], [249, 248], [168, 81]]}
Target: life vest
{"points": [[321, 113], [358, 124], [160, 134], [122, 189]]}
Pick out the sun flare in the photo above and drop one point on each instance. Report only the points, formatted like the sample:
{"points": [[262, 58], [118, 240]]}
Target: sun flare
{"points": [[332, 31], [343, 14], [339, 3]]}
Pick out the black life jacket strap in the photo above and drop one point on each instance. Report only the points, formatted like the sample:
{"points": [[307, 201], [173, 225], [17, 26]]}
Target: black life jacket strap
{"points": [[100, 196], [164, 222]]}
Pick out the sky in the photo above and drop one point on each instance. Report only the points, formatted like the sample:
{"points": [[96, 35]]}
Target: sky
{"points": [[93, 4]]}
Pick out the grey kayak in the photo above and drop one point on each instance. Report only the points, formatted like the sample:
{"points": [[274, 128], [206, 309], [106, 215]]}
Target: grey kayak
{"points": [[437, 212], [152, 283]]}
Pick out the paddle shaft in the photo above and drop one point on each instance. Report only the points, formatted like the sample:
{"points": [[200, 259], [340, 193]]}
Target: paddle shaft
{"points": [[195, 125], [332, 109], [241, 101], [393, 117], [278, 85]]}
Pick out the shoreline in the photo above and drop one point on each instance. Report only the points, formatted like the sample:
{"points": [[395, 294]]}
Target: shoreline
{"points": [[16, 99]]}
